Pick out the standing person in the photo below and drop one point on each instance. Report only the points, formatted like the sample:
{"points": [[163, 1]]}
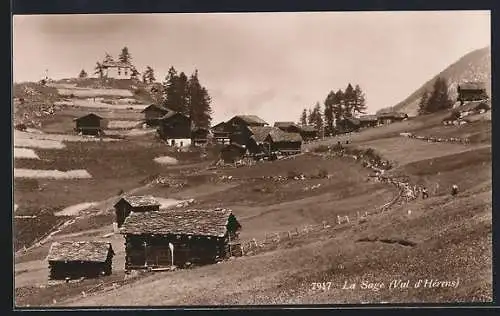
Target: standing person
{"points": [[454, 190], [425, 194]]}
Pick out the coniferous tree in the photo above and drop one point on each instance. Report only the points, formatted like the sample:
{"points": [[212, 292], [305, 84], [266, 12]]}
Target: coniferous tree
{"points": [[330, 102], [359, 101], [310, 117], [199, 103], [182, 92], [317, 117], [125, 56], [169, 90], [98, 70], [422, 104], [439, 98], [338, 107], [148, 76], [303, 117], [108, 58], [349, 99], [83, 74], [134, 74]]}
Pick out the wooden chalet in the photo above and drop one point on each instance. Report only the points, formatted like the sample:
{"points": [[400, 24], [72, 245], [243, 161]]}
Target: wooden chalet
{"points": [[175, 129], [128, 204], [153, 113], [391, 117], [256, 139], [178, 237], [472, 91], [368, 121], [89, 124], [308, 133], [238, 127], [348, 125], [232, 152], [200, 136], [283, 142], [221, 133], [289, 127], [76, 259]]}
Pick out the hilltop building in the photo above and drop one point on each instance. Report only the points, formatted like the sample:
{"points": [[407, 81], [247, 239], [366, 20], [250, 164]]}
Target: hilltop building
{"points": [[90, 124], [117, 70], [471, 91]]}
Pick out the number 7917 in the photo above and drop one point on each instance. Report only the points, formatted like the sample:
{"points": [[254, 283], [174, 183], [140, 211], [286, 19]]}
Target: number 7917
{"points": [[321, 286]]}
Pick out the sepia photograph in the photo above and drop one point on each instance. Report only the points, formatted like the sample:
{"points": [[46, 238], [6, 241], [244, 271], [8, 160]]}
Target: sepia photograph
{"points": [[252, 159]]}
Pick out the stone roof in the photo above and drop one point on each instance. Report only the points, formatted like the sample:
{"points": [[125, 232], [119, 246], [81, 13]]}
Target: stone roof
{"points": [[88, 251], [308, 128], [367, 118], [260, 132], [139, 200], [251, 119], [178, 222], [472, 86], [86, 116], [156, 106], [277, 135]]}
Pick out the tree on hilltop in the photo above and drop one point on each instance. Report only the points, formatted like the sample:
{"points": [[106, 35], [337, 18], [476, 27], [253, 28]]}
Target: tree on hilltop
{"points": [[359, 104], [148, 76], [125, 56], [99, 70], [83, 74], [303, 117], [199, 102], [439, 98], [422, 104]]}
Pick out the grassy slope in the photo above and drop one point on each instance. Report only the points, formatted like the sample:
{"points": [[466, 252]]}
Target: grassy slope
{"points": [[452, 236]]}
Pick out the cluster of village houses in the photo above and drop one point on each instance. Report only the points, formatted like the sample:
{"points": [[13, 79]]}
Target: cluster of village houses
{"points": [[159, 239]]}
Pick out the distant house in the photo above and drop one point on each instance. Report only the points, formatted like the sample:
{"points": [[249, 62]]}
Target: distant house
{"points": [[128, 204], [308, 133], [175, 129], [289, 127], [232, 152], [221, 134], [348, 125], [368, 121], [471, 91], [76, 259], [153, 113], [391, 117], [117, 69], [89, 124], [200, 136], [283, 142], [178, 237], [238, 127]]}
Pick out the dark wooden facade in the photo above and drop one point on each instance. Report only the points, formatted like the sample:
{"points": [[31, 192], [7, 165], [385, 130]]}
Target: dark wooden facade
{"points": [[127, 205], [89, 124], [200, 136], [368, 121], [348, 125], [232, 152], [153, 113], [73, 260], [308, 133], [221, 134], [174, 125], [472, 91], [289, 127], [148, 237], [389, 118], [283, 142]]}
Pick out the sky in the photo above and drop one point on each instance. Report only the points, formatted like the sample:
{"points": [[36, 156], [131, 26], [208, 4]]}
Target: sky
{"points": [[269, 64]]}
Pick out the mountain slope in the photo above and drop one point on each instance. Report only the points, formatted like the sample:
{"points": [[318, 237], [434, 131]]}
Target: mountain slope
{"points": [[475, 66]]}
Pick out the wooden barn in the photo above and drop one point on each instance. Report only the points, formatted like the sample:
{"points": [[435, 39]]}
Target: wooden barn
{"points": [[289, 127], [76, 259], [178, 237], [368, 121], [256, 139], [175, 129], [221, 134], [391, 117], [472, 91], [153, 113], [348, 125], [200, 136], [232, 152], [128, 204], [308, 133], [238, 127], [283, 142], [89, 124]]}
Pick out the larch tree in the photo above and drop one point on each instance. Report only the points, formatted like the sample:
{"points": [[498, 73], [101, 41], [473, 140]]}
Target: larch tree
{"points": [[338, 106], [317, 117], [303, 117], [125, 56], [98, 70], [359, 105], [349, 99], [328, 111], [439, 98], [83, 74], [148, 76], [199, 103]]}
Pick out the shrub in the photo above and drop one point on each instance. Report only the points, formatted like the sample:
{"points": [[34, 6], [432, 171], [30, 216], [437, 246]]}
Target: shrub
{"points": [[292, 174], [323, 173], [321, 149]]}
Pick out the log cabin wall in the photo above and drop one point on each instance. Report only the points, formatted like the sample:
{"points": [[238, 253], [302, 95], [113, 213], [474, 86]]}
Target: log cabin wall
{"points": [[143, 251]]}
